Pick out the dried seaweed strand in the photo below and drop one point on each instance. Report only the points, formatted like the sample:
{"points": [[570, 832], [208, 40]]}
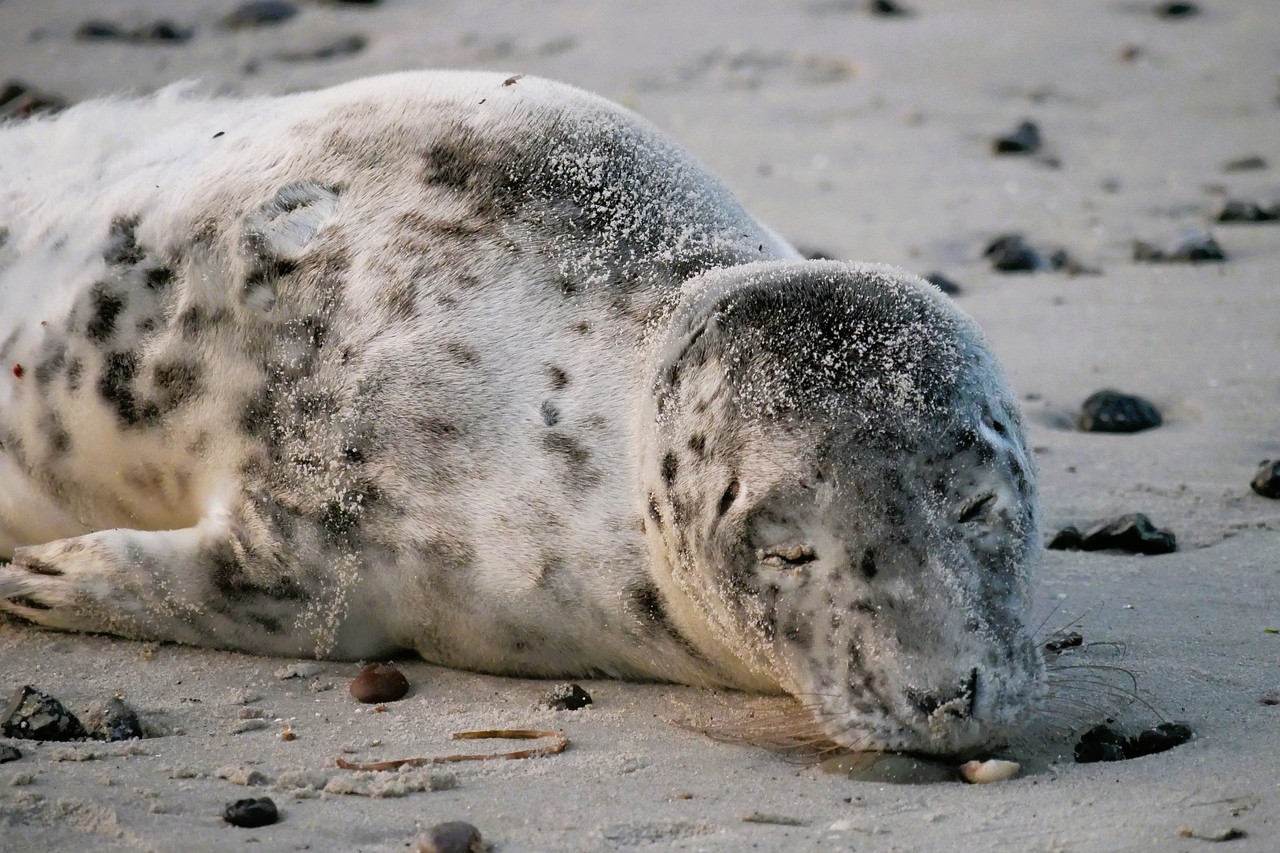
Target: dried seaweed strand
{"points": [[560, 745]]}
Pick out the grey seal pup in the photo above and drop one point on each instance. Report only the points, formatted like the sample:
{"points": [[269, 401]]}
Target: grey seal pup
{"points": [[488, 368]]}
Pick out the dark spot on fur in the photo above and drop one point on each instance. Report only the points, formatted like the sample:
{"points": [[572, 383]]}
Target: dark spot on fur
{"points": [[669, 469], [727, 499], [105, 307], [159, 278], [52, 361], [115, 385], [646, 603], [175, 382], [122, 242], [255, 418], [354, 455], [194, 319], [75, 371], [798, 630], [437, 428], [449, 164], [266, 272], [582, 328], [550, 414], [59, 438], [231, 579], [654, 512], [559, 379], [867, 565], [462, 354], [576, 457], [698, 444]]}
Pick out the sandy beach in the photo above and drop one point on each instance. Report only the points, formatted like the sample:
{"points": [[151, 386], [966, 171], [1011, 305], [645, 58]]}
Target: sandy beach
{"points": [[860, 136]]}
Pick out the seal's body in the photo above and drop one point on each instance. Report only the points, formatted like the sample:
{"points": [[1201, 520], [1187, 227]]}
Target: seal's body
{"points": [[490, 369]]}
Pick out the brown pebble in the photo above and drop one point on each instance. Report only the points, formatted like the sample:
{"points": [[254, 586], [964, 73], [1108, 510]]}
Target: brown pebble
{"points": [[454, 836], [288, 734], [379, 682]]}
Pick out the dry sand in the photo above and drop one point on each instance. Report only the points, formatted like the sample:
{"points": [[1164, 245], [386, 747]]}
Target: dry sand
{"points": [[867, 138]]}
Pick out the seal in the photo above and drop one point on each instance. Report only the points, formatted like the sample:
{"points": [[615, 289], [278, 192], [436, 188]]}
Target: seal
{"points": [[490, 369]]}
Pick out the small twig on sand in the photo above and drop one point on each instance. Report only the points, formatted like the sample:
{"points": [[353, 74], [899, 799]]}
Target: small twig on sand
{"points": [[560, 745]]}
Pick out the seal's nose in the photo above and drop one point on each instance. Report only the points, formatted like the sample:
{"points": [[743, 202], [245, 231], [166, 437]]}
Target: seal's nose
{"points": [[958, 702]]}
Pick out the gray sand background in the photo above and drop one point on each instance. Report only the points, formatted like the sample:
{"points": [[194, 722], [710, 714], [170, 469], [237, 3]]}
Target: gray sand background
{"points": [[867, 138]]}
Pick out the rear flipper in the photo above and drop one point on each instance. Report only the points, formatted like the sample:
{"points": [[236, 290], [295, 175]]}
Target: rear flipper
{"points": [[227, 583]]}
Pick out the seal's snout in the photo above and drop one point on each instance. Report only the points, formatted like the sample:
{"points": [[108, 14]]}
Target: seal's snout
{"points": [[958, 702]]}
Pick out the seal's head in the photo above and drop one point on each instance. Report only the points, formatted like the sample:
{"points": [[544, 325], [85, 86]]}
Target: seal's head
{"points": [[843, 503]]}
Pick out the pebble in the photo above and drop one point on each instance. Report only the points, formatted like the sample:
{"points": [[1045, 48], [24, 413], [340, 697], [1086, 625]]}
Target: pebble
{"points": [[1012, 253], [567, 697], [1176, 9], [1193, 247], [379, 682], [112, 720], [946, 285], [344, 46], [1024, 139], [33, 715], [1107, 743], [1066, 539], [19, 100], [1070, 640], [1112, 411], [1248, 163], [162, 31], [810, 253], [1267, 481], [251, 813], [887, 9], [9, 753], [1133, 533], [1100, 743], [259, 13], [454, 836], [1158, 739], [992, 770], [1239, 210]]}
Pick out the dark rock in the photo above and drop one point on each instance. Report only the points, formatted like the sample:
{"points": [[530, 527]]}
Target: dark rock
{"points": [[379, 682], [809, 253], [1101, 743], [1193, 247], [943, 283], [1066, 539], [567, 697], [251, 813], [1062, 260], [9, 753], [18, 100], [259, 13], [1112, 411], [887, 9], [1267, 481], [1176, 10], [1012, 253], [454, 836], [345, 46], [33, 715], [166, 32], [98, 31], [1132, 533], [1070, 640], [1025, 139], [1157, 739], [112, 720], [1247, 163], [1237, 210]]}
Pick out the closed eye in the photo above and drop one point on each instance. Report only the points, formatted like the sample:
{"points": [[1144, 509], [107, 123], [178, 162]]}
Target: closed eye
{"points": [[787, 556], [977, 507]]}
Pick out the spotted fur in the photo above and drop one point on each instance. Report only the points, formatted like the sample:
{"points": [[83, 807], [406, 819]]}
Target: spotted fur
{"points": [[499, 374]]}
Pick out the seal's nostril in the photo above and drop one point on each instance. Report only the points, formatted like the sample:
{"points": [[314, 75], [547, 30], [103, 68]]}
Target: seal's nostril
{"points": [[977, 507], [972, 689], [959, 703]]}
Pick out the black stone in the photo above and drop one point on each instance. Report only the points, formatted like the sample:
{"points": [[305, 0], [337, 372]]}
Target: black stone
{"points": [[887, 9], [1012, 253], [1176, 10], [454, 836], [1024, 139], [112, 720], [810, 253], [33, 715], [259, 13], [343, 46], [943, 283], [1236, 211], [1112, 411], [9, 753], [1132, 533], [1267, 481], [567, 697], [251, 813], [163, 31], [1247, 163], [1158, 739], [1194, 247], [98, 31], [1070, 640], [19, 100], [1066, 539], [1101, 743]]}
